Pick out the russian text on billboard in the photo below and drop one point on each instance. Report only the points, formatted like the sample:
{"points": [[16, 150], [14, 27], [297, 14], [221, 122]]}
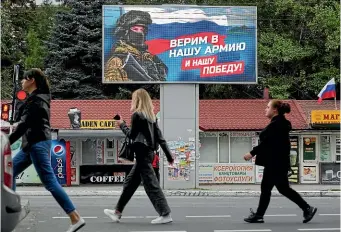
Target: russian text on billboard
{"points": [[179, 44]]}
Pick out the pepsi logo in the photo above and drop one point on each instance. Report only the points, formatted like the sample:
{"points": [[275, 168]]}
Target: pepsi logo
{"points": [[58, 150]]}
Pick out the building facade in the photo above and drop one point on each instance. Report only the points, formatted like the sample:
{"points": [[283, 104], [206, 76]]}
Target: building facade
{"points": [[229, 129]]}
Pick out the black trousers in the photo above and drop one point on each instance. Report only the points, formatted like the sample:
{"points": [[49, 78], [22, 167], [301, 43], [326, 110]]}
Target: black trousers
{"points": [[157, 173], [143, 170], [279, 179]]}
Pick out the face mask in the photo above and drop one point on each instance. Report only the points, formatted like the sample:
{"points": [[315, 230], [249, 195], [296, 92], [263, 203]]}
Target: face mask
{"points": [[137, 39]]}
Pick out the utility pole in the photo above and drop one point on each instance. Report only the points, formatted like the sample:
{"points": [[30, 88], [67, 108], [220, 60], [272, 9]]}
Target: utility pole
{"points": [[15, 83]]}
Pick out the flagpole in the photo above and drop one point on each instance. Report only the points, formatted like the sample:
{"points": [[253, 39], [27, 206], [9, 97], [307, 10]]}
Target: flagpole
{"points": [[335, 102]]}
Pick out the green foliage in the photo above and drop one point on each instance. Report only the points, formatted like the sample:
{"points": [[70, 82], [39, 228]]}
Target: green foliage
{"points": [[298, 47]]}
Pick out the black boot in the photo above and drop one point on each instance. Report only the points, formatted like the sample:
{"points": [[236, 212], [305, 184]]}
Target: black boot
{"points": [[254, 218], [309, 213]]}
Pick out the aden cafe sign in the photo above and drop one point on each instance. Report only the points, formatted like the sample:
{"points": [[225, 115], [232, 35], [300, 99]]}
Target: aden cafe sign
{"points": [[98, 124], [325, 118]]}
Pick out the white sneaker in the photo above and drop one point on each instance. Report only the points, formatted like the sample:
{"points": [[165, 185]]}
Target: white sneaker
{"points": [[162, 219], [113, 215], [77, 226]]}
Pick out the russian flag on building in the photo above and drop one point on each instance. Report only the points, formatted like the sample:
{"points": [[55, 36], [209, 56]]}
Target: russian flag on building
{"points": [[328, 91]]}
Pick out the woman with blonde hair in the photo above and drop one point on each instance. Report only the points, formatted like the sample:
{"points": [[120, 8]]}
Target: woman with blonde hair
{"points": [[146, 137]]}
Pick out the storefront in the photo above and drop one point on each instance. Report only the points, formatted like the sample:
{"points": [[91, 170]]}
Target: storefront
{"points": [[321, 148], [94, 149], [221, 157]]}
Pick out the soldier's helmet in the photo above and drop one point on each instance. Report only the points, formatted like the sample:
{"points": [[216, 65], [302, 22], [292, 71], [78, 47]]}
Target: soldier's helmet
{"points": [[129, 19]]}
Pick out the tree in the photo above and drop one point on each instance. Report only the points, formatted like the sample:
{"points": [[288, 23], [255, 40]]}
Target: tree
{"points": [[14, 23], [298, 48], [74, 59], [24, 28]]}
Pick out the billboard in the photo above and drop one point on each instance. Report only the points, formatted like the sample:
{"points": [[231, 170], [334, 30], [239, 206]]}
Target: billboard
{"points": [[179, 44]]}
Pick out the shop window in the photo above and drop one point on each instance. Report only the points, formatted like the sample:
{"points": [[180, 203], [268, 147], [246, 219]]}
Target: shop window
{"points": [[325, 150], [338, 147], [89, 151], [109, 151], [239, 147], [208, 149], [223, 148], [110, 144]]}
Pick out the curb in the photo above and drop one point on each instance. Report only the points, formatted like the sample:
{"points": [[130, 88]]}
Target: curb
{"points": [[25, 209], [184, 193]]}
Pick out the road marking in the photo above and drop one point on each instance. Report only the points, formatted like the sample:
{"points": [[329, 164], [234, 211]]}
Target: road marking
{"points": [[260, 230], [209, 216], [321, 229], [159, 231], [281, 215], [329, 214], [133, 217], [68, 217]]}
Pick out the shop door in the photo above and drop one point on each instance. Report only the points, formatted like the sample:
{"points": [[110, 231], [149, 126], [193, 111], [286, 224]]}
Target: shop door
{"points": [[309, 156]]}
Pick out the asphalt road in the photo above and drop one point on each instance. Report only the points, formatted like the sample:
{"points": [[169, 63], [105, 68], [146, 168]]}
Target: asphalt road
{"points": [[191, 214]]}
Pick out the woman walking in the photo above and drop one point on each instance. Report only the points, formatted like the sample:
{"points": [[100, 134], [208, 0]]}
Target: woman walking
{"points": [[273, 153], [34, 125], [146, 137]]}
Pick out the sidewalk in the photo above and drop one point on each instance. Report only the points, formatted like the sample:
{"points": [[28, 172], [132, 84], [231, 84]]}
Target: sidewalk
{"points": [[233, 190]]}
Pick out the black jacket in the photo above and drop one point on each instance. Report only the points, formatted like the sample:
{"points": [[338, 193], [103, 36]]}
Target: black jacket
{"points": [[273, 151], [146, 132], [34, 121]]}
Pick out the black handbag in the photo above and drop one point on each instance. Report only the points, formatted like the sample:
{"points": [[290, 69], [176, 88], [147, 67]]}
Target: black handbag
{"points": [[126, 151]]}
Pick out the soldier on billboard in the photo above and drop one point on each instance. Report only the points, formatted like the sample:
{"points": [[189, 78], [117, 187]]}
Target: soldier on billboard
{"points": [[130, 59]]}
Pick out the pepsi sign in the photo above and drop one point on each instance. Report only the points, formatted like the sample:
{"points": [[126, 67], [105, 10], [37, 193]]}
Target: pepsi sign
{"points": [[58, 160], [58, 150]]}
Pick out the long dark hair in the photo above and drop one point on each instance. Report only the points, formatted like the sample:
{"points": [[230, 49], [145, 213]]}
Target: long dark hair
{"points": [[281, 107], [41, 80]]}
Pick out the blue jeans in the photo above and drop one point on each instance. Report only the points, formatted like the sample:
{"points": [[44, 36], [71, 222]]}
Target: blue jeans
{"points": [[39, 155]]}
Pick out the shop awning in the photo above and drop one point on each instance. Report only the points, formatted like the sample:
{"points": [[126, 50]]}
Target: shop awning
{"points": [[335, 126], [90, 133]]}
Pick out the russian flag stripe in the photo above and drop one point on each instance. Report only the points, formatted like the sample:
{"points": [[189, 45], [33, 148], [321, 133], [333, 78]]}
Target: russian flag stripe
{"points": [[328, 91]]}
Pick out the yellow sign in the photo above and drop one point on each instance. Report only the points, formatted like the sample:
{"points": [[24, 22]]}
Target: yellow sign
{"points": [[325, 117], [98, 124]]}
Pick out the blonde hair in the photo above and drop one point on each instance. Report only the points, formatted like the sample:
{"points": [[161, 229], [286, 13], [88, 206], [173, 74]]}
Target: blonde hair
{"points": [[142, 103]]}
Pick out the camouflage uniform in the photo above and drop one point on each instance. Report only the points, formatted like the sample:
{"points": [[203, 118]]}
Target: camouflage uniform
{"points": [[129, 42], [151, 64]]}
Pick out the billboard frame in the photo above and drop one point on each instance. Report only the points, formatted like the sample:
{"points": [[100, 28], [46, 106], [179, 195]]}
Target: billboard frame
{"points": [[182, 82]]}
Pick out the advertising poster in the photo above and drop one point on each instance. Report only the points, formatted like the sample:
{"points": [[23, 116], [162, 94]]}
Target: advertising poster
{"points": [[227, 173], [309, 173], [206, 173], [29, 176], [294, 159], [330, 173], [309, 148], [325, 149], [58, 160], [179, 44], [184, 156], [259, 173]]}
